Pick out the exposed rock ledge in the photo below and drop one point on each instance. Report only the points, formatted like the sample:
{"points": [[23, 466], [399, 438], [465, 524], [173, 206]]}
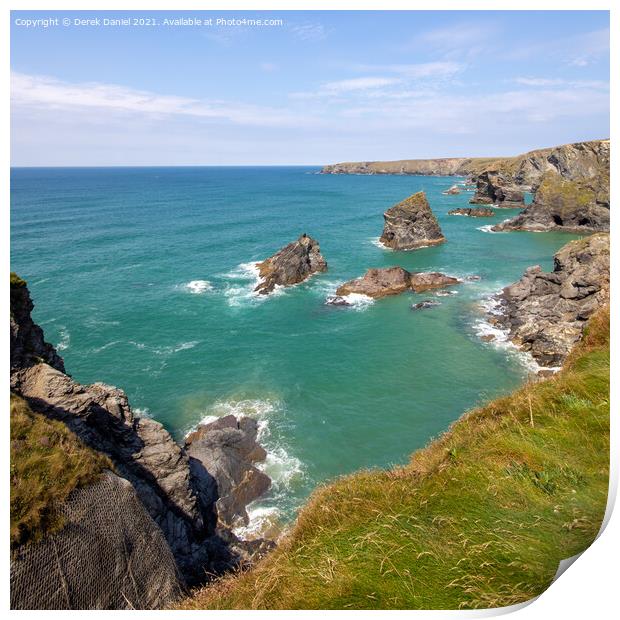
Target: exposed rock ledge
{"points": [[180, 491], [473, 212], [294, 263], [378, 283], [580, 206], [411, 224], [545, 313]]}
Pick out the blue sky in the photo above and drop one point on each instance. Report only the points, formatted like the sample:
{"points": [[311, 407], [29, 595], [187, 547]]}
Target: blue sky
{"points": [[321, 88]]}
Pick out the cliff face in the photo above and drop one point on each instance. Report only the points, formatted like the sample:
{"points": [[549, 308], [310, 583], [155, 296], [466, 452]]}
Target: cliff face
{"points": [[545, 312], [109, 554], [171, 485], [571, 183]]}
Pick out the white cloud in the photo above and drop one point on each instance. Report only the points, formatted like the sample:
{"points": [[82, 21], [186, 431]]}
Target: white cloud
{"points": [[354, 84], [309, 32], [545, 82], [418, 71], [51, 93]]}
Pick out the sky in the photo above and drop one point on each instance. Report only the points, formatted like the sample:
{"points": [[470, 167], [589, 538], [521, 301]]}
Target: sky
{"points": [[321, 87]]}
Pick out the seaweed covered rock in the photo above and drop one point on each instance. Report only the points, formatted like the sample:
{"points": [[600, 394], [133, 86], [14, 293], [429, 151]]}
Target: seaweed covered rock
{"points": [[411, 224]]}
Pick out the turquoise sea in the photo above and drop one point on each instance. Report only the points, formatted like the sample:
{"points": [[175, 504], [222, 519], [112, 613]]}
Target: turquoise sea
{"points": [[142, 277]]}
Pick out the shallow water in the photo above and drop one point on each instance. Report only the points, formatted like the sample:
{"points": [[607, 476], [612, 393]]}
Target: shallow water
{"points": [[143, 278]]}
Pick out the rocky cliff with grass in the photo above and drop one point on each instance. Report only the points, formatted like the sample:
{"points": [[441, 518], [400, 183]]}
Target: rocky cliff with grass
{"points": [[545, 313], [570, 183], [175, 490]]}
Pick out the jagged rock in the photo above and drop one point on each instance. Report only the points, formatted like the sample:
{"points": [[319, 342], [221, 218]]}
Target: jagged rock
{"points": [[178, 496], [294, 263], [473, 212], [454, 190], [411, 224], [393, 281], [426, 280], [560, 204], [336, 300], [492, 187], [545, 313], [227, 449], [427, 303], [27, 342]]}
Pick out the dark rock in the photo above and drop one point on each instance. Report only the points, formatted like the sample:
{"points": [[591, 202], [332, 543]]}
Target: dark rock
{"points": [[336, 300], [545, 312], [292, 264], [427, 303], [411, 224], [473, 212], [580, 206], [227, 449], [493, 187]]}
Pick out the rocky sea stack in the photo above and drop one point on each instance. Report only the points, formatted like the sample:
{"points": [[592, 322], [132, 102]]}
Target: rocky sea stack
{"points": [[545, 312], [411, 224], [294, 263], [496, 188], [378, 283], [473, 212]]}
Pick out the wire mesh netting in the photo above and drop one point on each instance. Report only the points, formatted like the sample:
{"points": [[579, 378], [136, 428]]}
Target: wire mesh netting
{"points": [[110, 554]]}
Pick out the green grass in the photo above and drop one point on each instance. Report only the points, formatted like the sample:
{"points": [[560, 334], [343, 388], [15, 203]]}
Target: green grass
{"points": [[47, 462], [479, 518]]}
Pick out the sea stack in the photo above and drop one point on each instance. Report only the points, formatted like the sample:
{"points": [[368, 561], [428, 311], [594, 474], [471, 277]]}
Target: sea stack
{"points": [[386, 281], [411, 224], [294, 263]]}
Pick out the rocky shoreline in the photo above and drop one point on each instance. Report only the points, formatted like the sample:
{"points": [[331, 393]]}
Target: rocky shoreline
{"points": [[545, 313], [195, 493]]}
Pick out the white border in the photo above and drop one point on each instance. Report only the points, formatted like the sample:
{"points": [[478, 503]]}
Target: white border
{"points": [[588, 587]]}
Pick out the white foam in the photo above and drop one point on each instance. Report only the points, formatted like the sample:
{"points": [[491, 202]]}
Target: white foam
{"points": [[142, 412], [501, 337], [358, 301], [197, 287], [65, 339], [377, 243]]}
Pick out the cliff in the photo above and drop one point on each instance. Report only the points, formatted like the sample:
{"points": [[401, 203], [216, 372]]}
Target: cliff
{"points": [[177, 491], [577, 160], [545, 313], [570, 182]]}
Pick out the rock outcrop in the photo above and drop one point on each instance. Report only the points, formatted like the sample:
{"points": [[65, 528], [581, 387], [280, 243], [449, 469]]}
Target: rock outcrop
{"points": [[294, 263], [171, 485], [545, 312], [453, 191], [473, 212], [493, 187], [227, 449], [378, 283], [580, 206], [411, 224]]}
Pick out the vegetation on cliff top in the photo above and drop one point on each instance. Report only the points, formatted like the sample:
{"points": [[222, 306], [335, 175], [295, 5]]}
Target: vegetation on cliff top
{"points": [[47, 462], [480, 518]]}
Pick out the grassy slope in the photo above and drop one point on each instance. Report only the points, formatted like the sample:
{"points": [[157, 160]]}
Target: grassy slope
{"points": [[479, 518], [47, 462]]}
